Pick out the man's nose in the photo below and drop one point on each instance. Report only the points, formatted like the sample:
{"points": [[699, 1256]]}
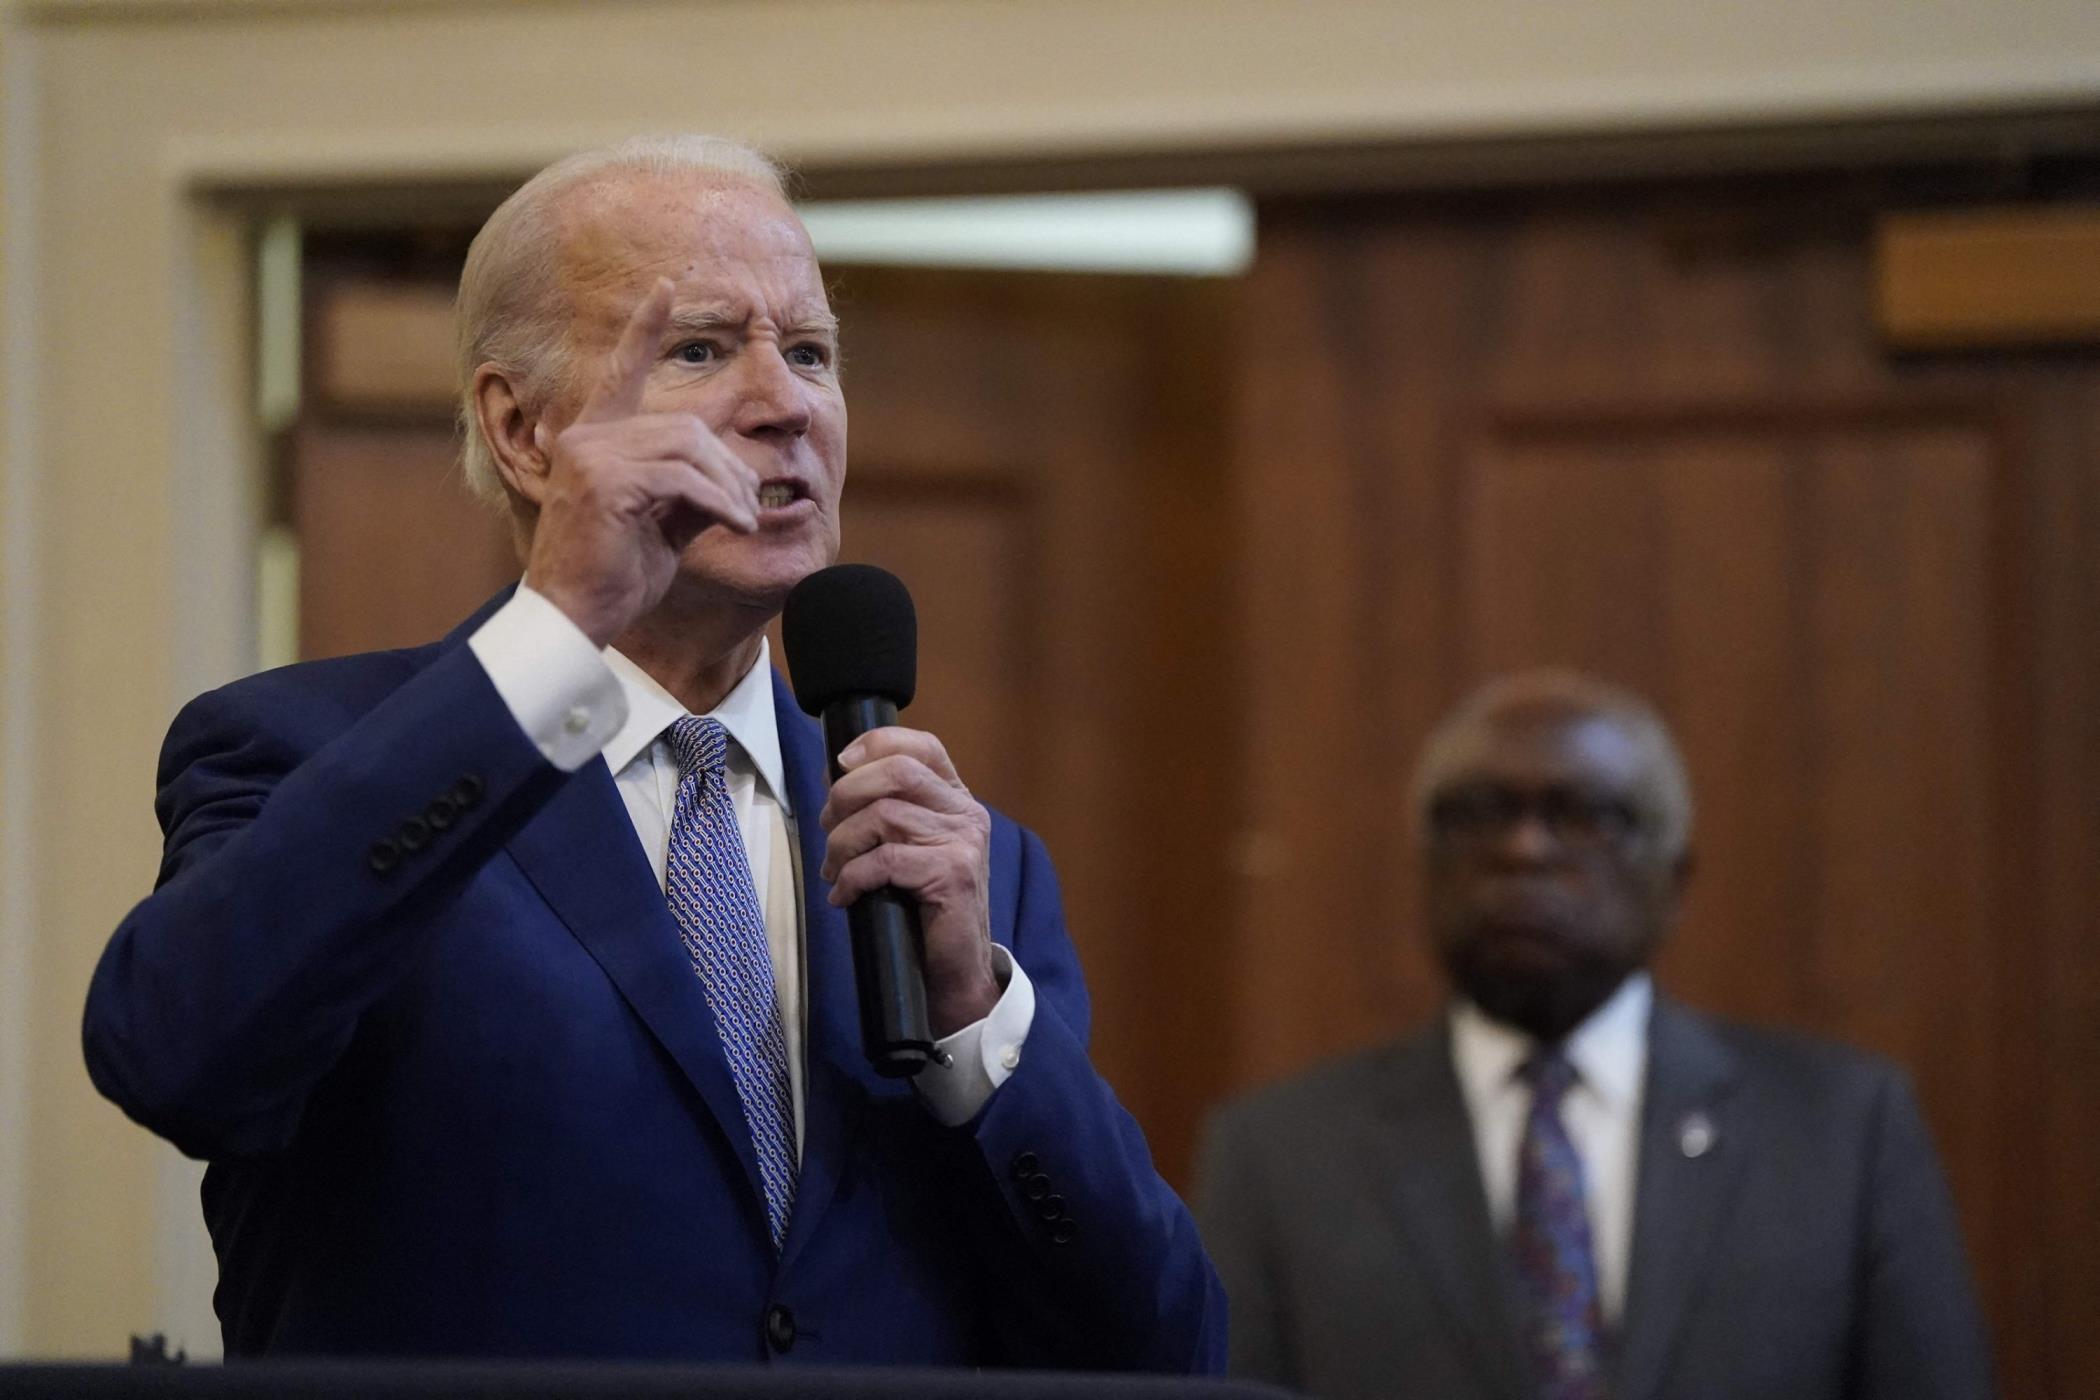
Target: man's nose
{"points": [[771, 397], [1527, 841]]}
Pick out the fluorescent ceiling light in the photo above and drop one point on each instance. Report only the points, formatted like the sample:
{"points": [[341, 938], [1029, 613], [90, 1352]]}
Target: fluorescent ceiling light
{"points": [[1184, 233]]}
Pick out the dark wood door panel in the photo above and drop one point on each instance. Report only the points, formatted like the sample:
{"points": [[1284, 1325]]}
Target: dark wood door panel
{"points": [[393, 551], [970, 562]]}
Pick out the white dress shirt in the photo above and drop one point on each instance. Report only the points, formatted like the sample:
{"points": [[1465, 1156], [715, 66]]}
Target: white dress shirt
{"points": [[577, 704], [1601, 1112]]}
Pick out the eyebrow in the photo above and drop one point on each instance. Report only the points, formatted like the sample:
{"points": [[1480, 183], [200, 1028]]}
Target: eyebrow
{"points": [[692, 322]]}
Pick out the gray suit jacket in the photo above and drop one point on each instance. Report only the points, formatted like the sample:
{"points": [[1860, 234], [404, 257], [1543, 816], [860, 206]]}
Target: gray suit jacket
{"points": [[1807, 1250]]}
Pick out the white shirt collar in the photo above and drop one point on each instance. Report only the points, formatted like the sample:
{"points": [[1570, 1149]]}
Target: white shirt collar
{"points": [[746, 712], [1609, 1049]]}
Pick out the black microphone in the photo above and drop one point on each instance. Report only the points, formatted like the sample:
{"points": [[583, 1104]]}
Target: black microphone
{"points": [[853, 651]]}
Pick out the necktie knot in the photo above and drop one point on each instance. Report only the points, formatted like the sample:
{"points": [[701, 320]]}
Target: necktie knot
{"points": [[702, 746], [1550, 1076]]}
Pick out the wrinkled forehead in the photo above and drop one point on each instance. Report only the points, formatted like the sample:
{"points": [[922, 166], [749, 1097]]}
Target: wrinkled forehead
{"points": [[716, 236], [1538, 745]]}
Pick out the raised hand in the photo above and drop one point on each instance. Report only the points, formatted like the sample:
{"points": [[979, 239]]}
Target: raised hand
{"points": [[626, 490]]}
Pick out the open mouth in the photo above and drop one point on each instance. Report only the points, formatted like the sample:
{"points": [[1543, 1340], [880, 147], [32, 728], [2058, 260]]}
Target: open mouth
{"points": [[780, 494]]}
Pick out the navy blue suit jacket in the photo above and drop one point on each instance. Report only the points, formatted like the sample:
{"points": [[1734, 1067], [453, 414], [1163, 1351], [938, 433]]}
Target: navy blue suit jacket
{"points": [[417, 997]]}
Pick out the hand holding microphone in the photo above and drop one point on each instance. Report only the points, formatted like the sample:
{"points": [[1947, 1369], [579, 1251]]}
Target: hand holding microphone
{"points": [[909, 849]]}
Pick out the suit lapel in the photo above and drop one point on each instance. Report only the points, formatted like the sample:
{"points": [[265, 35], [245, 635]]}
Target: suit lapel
{"points": [[1430, 1170], [832, 1061], [581, 854], [1692, 1155]]}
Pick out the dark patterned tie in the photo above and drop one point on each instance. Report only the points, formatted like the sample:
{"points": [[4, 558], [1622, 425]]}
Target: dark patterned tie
{"points": [[1563, 1324], [707, 879]]}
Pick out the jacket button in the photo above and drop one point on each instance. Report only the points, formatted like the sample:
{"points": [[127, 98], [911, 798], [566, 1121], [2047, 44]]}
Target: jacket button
{"points": [[414, 834], [1063, 1231], [467, 791], [780, 1328], [1024, 1165], [383, 857], [1036, 1187]]}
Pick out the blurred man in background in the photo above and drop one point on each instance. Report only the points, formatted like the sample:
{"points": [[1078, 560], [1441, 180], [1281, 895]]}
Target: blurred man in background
{"points": [[1571, 1187], [504, 982]]}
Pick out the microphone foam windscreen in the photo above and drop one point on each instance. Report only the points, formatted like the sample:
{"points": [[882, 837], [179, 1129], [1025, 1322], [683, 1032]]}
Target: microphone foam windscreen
{"points": [[851, 630]]}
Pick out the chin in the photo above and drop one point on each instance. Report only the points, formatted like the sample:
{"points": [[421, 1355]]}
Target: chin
{"points": [[1544, 996], [754, 570]]}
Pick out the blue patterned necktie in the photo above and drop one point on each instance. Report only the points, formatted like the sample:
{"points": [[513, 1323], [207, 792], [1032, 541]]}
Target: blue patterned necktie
{"points": [[1556, 1268], [707, 879]]}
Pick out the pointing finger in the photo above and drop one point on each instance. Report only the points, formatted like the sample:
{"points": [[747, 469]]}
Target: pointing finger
{"points": [[626, 370]]}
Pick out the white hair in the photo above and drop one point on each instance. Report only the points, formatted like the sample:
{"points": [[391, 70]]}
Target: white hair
{"points": [[1662, 789], [506, 314]]}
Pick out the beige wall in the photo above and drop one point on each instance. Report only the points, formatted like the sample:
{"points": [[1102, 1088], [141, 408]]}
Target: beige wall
{"points": [[17, 723], [130, 471]]}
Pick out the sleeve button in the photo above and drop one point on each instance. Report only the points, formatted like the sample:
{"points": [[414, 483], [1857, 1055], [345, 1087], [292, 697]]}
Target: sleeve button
{"points": [[1050, 1209], [1036, 1187], [414, 834], [1024, 1165], [440, 814], [467, 791], [383, 857], [1063, 1231]]}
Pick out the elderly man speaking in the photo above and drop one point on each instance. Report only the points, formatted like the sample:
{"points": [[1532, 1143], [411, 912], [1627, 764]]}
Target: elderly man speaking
{"points": [[505, 982]]}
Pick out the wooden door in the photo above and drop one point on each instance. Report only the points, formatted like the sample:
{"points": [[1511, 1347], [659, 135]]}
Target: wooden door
{"points": [[1651, 435], [1041, 458]]}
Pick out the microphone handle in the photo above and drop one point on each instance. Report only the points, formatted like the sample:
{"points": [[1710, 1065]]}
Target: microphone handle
{"points": [[889, 947]]}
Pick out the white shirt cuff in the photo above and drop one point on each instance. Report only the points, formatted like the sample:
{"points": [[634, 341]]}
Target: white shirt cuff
{"points": [[982, 1055], [555, 683]]}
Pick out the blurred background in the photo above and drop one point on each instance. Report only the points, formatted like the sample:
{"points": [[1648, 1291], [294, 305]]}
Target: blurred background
{"points": [[1235, 384]]}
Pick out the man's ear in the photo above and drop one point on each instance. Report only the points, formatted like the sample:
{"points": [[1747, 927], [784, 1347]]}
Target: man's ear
{"points": [[509, 429]]}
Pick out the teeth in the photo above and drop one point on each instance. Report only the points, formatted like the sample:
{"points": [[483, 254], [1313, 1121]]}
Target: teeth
{"points": [[775, 494]]}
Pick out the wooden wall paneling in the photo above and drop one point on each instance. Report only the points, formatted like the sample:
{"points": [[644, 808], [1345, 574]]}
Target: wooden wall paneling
{"points": [[1562, 561], [969, 552], [1294, 499], [1095, 401], [381, 344], [2051, 1183], [393, 548], [1402, 510], [1903, 769], [1664, 569], [1339, 498], [1727, 506], [1182, 695], [393, 551]]}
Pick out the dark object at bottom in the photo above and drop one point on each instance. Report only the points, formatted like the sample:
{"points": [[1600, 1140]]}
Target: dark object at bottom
{"points": [[153, 1351], [306, 1380]]}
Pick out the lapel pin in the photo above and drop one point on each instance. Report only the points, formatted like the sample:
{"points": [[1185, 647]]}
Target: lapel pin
{"points": [[1696, 1135]]}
